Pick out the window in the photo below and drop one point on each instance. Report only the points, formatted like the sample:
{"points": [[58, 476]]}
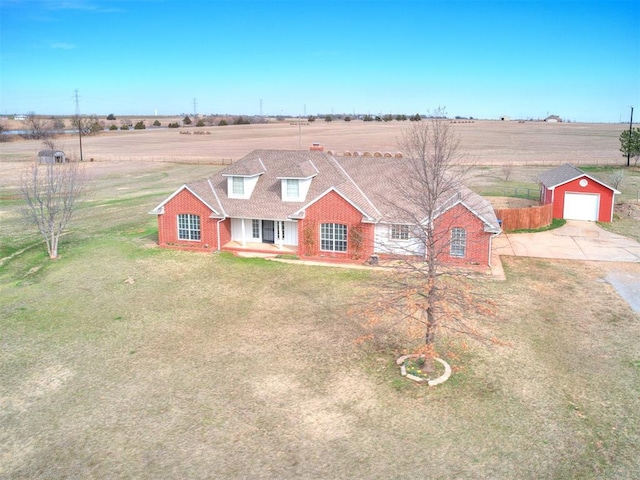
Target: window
{"points": [[279, 229], [458, 245], [188, 227], [399, 232], [255, 228], [238, 186], [293, 188], [333, 237]]}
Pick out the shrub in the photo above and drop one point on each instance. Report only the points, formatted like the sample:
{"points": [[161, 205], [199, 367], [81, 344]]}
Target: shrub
{"points": [[139, 125], [186, 120], [113, 127], [111, 116], [200, 123], [222, 123], [124, 127], [347, 118], [328, 118], [311, 118], [174, 125], [157, 123]]}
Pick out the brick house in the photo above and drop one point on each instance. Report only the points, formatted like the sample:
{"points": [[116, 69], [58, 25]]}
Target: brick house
{"points": [[576, 195], [318, 206]]}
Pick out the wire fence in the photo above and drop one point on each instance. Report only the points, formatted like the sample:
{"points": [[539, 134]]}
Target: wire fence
{"points": [[152, 159]]}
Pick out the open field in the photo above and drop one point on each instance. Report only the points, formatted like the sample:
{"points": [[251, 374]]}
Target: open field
{"points": [[121, 360], [485, 142]]}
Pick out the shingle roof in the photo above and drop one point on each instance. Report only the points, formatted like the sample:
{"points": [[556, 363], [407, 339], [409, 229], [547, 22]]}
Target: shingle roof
{"points": [[367, 182], [559, 175], [565, 173]]}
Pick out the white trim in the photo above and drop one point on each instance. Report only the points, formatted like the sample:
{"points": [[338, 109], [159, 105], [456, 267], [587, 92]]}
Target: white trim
{"points": [[615, 192], [159, 210], [297, 213], [461, 202], [357, 187], [224, 213]]}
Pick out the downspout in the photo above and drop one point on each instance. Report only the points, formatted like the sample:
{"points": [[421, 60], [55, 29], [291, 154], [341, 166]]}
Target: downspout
{"points": [[491, 247], [218, 227]]}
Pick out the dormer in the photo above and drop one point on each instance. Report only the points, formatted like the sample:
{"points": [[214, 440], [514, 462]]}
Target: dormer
{"points": [[295, 184], [294, 189], [243, 177], [241, 186]]}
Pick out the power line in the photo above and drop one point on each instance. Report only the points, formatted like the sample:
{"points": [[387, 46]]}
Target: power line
{"points": [[79, 122]]}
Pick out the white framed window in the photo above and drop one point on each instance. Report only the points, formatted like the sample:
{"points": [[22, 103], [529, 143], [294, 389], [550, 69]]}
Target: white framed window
{"points": [[279, 229], [238, 185], [399, 232], [293, 188], [255, 228], [188, 227], [458, 245], [333, 237]]}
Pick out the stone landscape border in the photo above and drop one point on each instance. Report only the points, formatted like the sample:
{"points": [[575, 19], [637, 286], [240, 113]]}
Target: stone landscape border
{"points": [[432, 383]]}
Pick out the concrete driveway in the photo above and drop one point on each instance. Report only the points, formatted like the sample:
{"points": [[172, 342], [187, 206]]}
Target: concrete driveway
{"points": [[579, 241], [574, 241]]}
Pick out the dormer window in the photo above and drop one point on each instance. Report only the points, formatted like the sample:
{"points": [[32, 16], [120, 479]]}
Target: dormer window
{"points": [[237, 186], [293, 188], [241, 186]]}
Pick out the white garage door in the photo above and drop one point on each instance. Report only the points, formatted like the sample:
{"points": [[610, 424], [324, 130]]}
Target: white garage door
{"points": [[581, 206]]}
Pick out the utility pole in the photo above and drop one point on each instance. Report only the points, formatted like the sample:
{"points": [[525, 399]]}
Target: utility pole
{"points": [[630, 133], [194, 108], [79, 122]]}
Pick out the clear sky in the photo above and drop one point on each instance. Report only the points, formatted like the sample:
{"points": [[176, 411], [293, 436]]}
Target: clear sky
{"points": [[524, 59]]}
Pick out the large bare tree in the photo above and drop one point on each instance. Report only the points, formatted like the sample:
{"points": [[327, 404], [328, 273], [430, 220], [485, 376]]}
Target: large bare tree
{"points": [[51, 192], [419, 290]]}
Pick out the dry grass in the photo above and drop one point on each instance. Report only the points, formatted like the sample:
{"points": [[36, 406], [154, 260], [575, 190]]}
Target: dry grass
{"points": [[122, 360], [485, 142]]}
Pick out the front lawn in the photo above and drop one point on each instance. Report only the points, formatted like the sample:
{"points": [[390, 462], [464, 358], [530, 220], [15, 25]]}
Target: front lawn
{"points": [[122, 360]]}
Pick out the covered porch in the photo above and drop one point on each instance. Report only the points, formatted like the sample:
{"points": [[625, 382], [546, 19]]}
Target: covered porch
{"points": [[260, 247]]}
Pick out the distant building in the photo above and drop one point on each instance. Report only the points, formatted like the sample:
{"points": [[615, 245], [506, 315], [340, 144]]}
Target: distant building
{"points": [[51, 156], [505, 118], [553, 119]]}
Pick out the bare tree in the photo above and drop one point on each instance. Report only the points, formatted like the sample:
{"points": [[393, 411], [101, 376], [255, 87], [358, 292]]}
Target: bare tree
{"points": [[507, 171], [51, 193], [427, 196], [616, 178], [37, 127]]}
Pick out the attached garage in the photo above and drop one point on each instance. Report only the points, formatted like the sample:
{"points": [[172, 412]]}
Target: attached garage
{"points": [[576, 195]]}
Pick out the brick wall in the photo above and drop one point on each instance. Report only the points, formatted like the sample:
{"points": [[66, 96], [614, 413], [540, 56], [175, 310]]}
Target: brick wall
{"points": [[477, 248], [187, 203], [333, 208]]}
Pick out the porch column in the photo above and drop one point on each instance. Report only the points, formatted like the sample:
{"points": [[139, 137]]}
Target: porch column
{"points": [[244, 241]]}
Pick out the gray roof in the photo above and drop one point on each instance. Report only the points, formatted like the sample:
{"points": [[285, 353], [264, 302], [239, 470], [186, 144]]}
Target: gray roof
{"points": [[566, 173], [49, 153], [366, 182]]}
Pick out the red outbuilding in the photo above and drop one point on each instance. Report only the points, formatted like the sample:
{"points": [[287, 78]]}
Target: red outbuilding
{"points": [[575, 195]]}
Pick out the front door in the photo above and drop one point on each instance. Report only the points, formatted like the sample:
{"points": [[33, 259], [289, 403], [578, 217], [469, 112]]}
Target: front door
{"points": [[267, 231]]}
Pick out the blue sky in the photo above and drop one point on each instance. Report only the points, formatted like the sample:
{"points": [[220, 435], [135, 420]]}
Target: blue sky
{"points": [[524, 59]]}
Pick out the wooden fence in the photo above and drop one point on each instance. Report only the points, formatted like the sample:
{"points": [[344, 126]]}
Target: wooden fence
{"points": [[525, 218]]}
